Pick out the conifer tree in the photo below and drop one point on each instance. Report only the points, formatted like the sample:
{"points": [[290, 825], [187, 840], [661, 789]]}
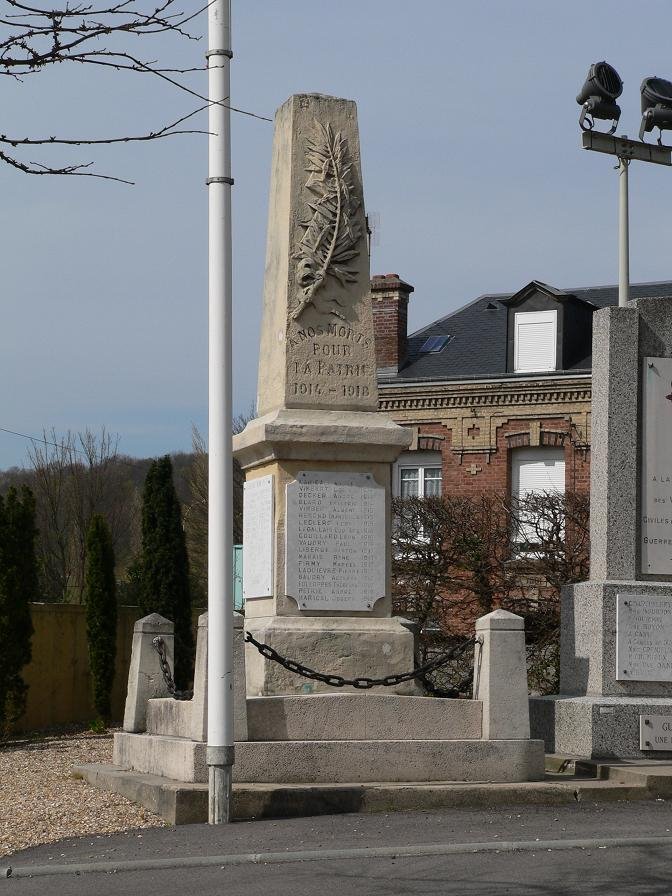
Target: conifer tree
{"points": [[101, 613], [18, 586], [165, 564]]}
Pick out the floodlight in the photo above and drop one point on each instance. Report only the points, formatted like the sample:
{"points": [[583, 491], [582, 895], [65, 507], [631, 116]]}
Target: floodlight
{"points": [[656, 106], [598, 95]]}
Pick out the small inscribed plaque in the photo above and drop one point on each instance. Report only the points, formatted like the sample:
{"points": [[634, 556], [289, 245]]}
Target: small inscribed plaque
{"points": [[643, 638], [335, 541], [656, 502], [655, 733], [258, 537]]}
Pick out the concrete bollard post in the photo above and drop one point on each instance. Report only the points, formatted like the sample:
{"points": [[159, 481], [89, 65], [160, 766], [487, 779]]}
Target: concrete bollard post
{"points": [[199, 717], [239, 679], [145, 679], [500, 676], [199, 702]]}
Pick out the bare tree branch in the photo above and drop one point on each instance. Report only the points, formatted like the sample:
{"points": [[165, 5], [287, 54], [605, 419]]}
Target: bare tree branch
{"points": [[100, 34], [455, 559], [168, 130], [71, 170]]}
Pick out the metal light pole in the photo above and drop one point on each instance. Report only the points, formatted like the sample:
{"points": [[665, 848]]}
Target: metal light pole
{"points": [[220, 489], [623, 234], [626, 150], [597, 99]]}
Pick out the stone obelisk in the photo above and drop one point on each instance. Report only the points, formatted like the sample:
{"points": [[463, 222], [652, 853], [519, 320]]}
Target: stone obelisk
{"points": [[318, 457]]}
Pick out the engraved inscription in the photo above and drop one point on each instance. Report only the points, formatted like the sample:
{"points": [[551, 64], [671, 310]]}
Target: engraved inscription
{"points": [[656, 502], [330, 361], [643, 638], [258, 537], [331, 229], [335, 541]]}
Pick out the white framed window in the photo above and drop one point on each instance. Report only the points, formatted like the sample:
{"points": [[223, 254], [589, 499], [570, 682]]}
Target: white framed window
{"points": [[534, 471], [535, 341], [417, 474]]}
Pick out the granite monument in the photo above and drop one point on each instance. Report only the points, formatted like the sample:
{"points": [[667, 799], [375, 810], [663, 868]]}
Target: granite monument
{"points": [[616, 628]]}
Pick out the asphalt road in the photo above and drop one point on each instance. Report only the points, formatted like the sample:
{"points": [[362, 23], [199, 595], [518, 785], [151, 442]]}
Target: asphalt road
{"points": [[623, 848]]}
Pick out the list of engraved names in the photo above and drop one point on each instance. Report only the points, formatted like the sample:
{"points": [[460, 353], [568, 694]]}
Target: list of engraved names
{"points": [[643, 638], [335, 541]]}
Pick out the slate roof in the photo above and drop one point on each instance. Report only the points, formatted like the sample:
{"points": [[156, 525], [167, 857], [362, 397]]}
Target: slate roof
{"points": [[478, 331]]}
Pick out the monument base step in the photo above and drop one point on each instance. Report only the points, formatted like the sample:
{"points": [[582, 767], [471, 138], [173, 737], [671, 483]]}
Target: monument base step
{"points": [[331, 761], [655, 775], [336, 716], [177, 758], [180, 803], [362, 717], [170, 717], [596, 727]]}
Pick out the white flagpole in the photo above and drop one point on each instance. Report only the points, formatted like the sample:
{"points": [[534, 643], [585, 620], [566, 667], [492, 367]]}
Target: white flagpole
{"points": [[220, 489]]}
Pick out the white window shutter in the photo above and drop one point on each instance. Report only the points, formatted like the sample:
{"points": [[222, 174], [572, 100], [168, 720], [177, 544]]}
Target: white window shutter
{"points": [[535, 341], [535, 470]]}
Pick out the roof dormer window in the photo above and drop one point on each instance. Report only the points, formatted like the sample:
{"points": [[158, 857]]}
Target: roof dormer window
{"points": [[535, 345]]}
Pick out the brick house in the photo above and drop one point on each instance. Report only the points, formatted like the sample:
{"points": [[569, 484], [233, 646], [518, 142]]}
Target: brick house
{"points": [[497, 393]]}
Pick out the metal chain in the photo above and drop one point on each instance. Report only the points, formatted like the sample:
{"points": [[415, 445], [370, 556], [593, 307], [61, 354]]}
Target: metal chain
{"points": [[160, 646], [434, 690], [362, 683]]}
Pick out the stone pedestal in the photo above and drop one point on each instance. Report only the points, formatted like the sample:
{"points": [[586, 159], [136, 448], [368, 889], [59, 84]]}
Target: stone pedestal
{"points": [[283, 445], [597, 713], [346, 646], [345, 738]]}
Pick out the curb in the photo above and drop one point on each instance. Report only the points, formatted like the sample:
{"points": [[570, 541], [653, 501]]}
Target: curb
{"points": [[325, 855]]}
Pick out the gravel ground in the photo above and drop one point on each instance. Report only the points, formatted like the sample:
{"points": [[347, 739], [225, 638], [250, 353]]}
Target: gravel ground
{"points": [[41, 802]]}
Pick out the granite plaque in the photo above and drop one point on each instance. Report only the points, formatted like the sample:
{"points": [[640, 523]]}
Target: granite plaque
{"points": [[643, 638], [655, 733], [258, 537], [656, 498], [335, 556]]}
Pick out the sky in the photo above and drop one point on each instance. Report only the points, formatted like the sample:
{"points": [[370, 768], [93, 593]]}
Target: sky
{"points": [[471, 163]]}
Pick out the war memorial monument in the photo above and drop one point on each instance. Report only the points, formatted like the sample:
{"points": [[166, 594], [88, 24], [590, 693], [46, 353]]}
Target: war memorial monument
{"points": [[317, 556], [616, 642]]}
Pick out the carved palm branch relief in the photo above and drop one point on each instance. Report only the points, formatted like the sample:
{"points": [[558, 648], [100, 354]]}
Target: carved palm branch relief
{"points": [[331, 232]]}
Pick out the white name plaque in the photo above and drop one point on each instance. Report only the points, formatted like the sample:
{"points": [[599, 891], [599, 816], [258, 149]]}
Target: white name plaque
{"points": [[656, 499], [335, 556], [655, 733], [643, 638], [258, 537]]}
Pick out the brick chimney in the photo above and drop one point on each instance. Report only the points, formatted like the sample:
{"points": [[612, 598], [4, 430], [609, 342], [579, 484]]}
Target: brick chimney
{"points": [[389, 300]]}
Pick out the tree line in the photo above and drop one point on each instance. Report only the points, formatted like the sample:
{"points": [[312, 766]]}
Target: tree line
{"points": [[74, 476], [84, 524]]}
